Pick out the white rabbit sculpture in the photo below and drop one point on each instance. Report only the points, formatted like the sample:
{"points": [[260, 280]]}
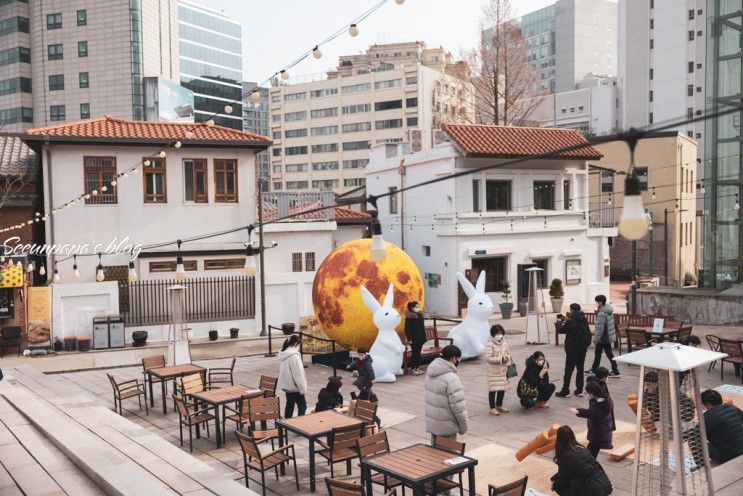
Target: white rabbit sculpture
{"points": [[471, 335], [387, 350]]}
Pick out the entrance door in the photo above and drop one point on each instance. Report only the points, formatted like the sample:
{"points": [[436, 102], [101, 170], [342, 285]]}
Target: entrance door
{"points": [[523, 280], [471, 276]]}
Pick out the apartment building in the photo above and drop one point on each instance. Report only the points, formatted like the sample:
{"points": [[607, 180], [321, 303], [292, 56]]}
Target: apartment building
{"points": [[323, 130], [255, 120]]}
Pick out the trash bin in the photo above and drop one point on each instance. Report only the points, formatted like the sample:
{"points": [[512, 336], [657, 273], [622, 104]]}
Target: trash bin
{"points": [[116, 332], [100, 333]]}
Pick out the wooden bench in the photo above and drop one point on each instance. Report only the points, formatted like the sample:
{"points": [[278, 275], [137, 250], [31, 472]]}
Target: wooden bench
{"points": [[622, 321], [426, 352]]}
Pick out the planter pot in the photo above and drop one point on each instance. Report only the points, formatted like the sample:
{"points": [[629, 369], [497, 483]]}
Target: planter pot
{"points": [[58, 345], [70, 344], [506, 309], [139, 338], [556, 305], [213, 335], [288, 328], [523, 308], [233, 332], [83, 344]]}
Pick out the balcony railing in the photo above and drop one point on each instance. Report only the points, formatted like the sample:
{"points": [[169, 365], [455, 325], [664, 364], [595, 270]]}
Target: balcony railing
{"points": [[277, 205], [600, 214]]}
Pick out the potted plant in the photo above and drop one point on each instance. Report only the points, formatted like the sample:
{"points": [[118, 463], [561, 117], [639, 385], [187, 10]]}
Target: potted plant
{"points": [[213, 335], [58, 344], [524, 306], [139, 338], [556, 294], [70, 343], [506, 308], [83, 343], [233, 332]]}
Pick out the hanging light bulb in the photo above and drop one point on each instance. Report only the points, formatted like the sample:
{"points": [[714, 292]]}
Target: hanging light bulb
{"points": [[653, 193], [378, 250], [609, 201], [114, 182], [146, 162], [633, 224], [399, 2], [702, 187], [132, 272], [353, 30], [189, 134], [19, 264], [250, 269], [42, 270], [94, 192], [38, 214], [316, 52], [180, 269], [87, 197], [134, 171], [55, 279], [210, 123], [178, 144], [228, 109], [162, 153], [736, 206], [255, 96], [74, 267], [99, 275], [284, 74], [103, 188], [30, 267]]}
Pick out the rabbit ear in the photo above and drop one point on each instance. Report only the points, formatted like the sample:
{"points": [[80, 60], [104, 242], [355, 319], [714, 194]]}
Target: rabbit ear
{"points": [[389, 298], [480, 287], [467, 286], [369, 300]]}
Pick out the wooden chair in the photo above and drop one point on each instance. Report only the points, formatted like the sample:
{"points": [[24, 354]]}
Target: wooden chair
{"points": [[366, 411], [684, 333], [621, 333], [637, 338], [341, 446], [253, 458], [254, 410], [151, 363], [10, 337], [128, 389], [190, 416], [714, 344], [446, 485], [338, 487], [221, 376], [188, 384], [374, 445], [515, 488], [734, 349], [268, 384]]}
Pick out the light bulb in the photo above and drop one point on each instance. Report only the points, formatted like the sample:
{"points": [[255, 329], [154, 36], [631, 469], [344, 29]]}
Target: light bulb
{"points": [[737, 203], [146, 163], [94, 192], [76, 272], [255, 96], [30, 222], [87, 197], [228, 109], [55, 279], [250, 269], [189, 134], [42, 271], [134, 171], [19, 264], [132, 273], [353, 30], [37, 214], [124, 175], [104, 188], [653, 193], [316, 52], [36, 220], [180, 269], [99, 275], [161, 154], [30, 267], [633, 224], [378, 250], [178, 144], [284, 74], [399, 2], [114, 183], [210, 123]]}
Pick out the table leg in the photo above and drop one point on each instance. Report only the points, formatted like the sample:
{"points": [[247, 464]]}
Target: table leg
{"points": [[312, 465], [471, 480], [218, 427], [417, 491], [165, 405], [282, 468], [152, 398]]}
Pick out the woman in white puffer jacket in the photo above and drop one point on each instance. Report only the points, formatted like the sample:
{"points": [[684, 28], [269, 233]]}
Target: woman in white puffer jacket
{"points": [[446, 409]]}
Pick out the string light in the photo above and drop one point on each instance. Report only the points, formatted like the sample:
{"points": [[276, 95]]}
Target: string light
{"points": [[162, 152], [653, 193], [146, 162], [284, 74], [42, 269], [228, 109], [178, 144], [99, 275], [210, 123], [180, 269], [189, 134], [399, 2], [316, 52], [74, 267], [55, 279], [132, 272], [255, 96], [353, 30], [736, 206]]}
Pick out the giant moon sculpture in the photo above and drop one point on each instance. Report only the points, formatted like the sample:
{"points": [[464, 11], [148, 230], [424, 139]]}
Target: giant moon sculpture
{"points": [[336, 296]]}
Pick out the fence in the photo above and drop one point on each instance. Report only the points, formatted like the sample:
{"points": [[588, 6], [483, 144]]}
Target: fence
{"points": [[601, 215], [279, 205], [205, 298]]}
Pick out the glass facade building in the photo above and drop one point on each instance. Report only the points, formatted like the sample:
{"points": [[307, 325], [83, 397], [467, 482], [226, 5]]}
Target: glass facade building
{"points": [[723, 182], [210, 46], [255, 120], [538, 28]]}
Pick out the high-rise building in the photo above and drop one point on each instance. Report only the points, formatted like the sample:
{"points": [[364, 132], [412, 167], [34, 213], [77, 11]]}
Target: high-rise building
{"points": [[323, 130], [255, 120], [74, 60], [723, 164], [210, 47]]}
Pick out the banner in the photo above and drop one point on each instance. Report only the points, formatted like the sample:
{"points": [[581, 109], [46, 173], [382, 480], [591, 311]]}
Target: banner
{"points": [[11, 276], [39, 316]]}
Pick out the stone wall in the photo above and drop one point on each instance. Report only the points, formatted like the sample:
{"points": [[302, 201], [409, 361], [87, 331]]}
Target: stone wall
{"points": [[694, 306], [621, 258]]}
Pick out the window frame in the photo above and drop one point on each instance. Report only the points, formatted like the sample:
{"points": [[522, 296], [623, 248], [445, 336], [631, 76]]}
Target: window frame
{"points": [[228, 263], [157, 167], [309, 261], [82, 20], [198, 166], [85, 105], [58, 54], [509, 194], [55, 24], [494, 279], [297, 262], [55, 116], [80, 79], [55, 78], [82, 48], [537, 185], [220, 166], [93, 166], [165, 266]]}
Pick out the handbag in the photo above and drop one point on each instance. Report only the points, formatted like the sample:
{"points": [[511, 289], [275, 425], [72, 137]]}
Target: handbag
{"points": [[511, 370]]}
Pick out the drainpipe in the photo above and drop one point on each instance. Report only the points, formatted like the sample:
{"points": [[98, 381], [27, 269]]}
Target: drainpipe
{"points": [[50, 218], [401, 170]]}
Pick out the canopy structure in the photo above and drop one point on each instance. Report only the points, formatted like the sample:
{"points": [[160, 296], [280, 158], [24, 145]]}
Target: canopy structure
{"points": [[671, 356]]}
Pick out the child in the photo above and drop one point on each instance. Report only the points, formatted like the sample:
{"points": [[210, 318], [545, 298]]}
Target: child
{"points": [[365, 369], [599, 416], [602, 373], [330, 396], [496, 358]]}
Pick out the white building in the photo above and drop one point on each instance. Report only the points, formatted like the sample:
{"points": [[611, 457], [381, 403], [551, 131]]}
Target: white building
{"points": [[502, 220], [322, 130]]}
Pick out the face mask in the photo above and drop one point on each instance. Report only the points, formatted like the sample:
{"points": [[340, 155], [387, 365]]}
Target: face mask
{"points": [[540, 363], [498, 338], [416, 309]]}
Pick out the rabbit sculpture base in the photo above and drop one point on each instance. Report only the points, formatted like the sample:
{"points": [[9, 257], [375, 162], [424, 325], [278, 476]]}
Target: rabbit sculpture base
{"points": [[387, 350], [471, 335]]}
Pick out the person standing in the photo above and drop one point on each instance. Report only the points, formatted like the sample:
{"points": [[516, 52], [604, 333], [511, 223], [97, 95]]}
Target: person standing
{"points": [[599, 417], [415, 332], [292, 379], [577, 341], [535, 388], [604, 335], [723, 424], [497, 357], [578, 473], [446, 409]]}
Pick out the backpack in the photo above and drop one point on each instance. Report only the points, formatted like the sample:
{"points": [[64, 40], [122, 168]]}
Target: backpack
{"points": [[585, 335]]}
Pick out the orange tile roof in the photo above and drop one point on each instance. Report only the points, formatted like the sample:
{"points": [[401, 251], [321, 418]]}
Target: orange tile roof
{"points": [[112, 128], [347, 213], [517, 142], [271, 213]]}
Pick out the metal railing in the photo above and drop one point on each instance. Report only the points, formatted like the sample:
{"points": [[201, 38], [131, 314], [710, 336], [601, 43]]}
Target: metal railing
{"points": [[277, 205], [601, 215]]}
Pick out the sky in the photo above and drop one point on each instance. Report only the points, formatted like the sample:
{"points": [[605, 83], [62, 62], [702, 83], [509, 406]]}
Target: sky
{"points": [[275, 32]]}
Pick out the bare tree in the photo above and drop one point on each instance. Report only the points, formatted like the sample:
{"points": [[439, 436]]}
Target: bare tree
{"points": [[12, 182], [504, 83]]}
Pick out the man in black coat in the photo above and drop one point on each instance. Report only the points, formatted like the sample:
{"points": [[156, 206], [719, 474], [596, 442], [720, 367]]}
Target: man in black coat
{"points": [[577, 340], [724, 427]]}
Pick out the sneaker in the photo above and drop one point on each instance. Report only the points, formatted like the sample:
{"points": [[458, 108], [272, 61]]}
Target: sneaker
{"points": [[615, 375], [579, 394], [502, 409], [417, 372], [589, 372], [541, 404], [494, 411], [563, 394]]}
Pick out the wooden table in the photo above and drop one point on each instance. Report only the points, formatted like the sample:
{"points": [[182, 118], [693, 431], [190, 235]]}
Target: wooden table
{"points": [[417, 465], [170, 373], [661, 336], [222, 396], [313, 426]]}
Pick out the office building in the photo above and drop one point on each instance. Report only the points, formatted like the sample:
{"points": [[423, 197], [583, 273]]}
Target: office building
{"points": [[210, 46], [323, 130], [16, 101], [255, 120]]}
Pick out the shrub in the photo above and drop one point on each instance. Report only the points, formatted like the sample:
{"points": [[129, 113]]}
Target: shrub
{"points": [[556, 290]]}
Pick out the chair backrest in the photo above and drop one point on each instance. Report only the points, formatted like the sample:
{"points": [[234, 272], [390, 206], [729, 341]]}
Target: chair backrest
{"points": [[684, 333], [673, 336], [515, 488], [11, 332], [637, 336], [190, 384], [343, 488], [268, 385], [249, 446], [732, 347], [232, 365], [372, 445], [344, 437], [351, 408], [365, 410], [432, 335], [113, 382], [153, 361], [446, 444], [180, 405], [713, 342], [265, 408]]}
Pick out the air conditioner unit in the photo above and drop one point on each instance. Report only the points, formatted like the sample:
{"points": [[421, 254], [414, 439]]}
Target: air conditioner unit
{"points": [[439, 136], [414, 137]]}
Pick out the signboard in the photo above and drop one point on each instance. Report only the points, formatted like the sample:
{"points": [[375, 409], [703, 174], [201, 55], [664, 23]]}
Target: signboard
{"points": [[39, 316], [167, 101], [573, 272], [658, 325], [11, 275]]}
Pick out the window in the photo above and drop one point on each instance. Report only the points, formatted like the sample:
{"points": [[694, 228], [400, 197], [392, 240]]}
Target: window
{"points": [[82, 17], [699, 89], [497, 195], [650, 96], [276, 152], [16, 114], [544, 264], [195, 176], [85, 111], [324, 92], [495, 272], [699, 12], [224, 264], [98, 171], [225, 181], [278, 186], [690, 134], [651, 43], [690, 67], [580, 108], [642, 175], [356, 127], [698, 135], [309, 261], [355, 88], [359, 181], [544, 195], [54, 21], [650, 118], [475, 195], [57, 113], [689, 113], [275, 98], [155, 188], [326, 112], [13, 25], [320, 166], [388, 105], [690, 90], [356, 145], [297, 185], [388, 124], [293, 116], [411, 80], [699, 33], [170, 266], [296, 150], [651, 74], [607, 183], [426, 251], [55, 52], [652, 3], [295, 133], [56, 82], [698, 112], [566, 201], [294, 97], [652, 23], [359, 163], [325, 148], [691, 14], [390, 83], [392, 199], [412, 121], [357, 109], [572, 109], [277, 169], [296, 262], [296, 167], [82, 48], [83, 79], [325, 130], [691, 35], [699, 65], [325, 184], [13, 55]]}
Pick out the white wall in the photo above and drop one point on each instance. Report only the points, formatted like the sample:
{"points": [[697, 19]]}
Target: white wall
{"points": [[75, 305]]}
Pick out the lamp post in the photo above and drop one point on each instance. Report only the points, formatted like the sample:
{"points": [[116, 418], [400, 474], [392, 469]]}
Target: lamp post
{"points": [[260, 260], [649, 215]]}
